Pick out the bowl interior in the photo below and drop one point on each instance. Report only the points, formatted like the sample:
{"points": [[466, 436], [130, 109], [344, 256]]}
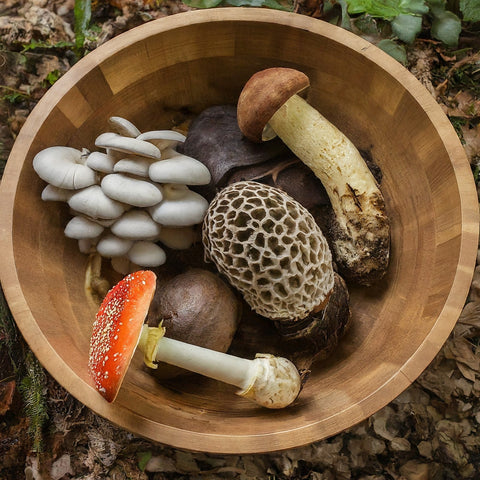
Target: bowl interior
{"points": [[169, 70]]}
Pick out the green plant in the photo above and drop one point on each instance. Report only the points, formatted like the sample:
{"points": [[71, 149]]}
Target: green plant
{"points": [[33, 390], [35, 45], [31, 378], [83, 15], [12, 95], [287, 5]]}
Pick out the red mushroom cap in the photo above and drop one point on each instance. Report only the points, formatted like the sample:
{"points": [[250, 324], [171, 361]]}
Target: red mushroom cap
{"points": [[117, 329]]}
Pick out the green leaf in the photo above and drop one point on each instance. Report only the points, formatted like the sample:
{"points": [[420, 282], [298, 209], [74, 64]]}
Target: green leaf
{"points": [[387, 9], [470, 10], [395, 50], [202, 3], [83, 14], [143, 458], [406, 27], [446, 27], [258, 3]]}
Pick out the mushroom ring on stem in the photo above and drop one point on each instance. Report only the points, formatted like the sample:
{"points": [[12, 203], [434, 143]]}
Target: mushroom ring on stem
{"points": [[269, 105], [272, 382]]}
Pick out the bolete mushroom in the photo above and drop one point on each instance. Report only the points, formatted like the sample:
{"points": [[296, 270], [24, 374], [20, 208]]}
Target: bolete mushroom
{"points": [[271, 249], [273, 382], [269, 105]]}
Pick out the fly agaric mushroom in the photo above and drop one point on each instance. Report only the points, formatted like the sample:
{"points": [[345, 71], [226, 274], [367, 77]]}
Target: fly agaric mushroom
{"points": [[272, 382], [268, 106], [271, 249]]}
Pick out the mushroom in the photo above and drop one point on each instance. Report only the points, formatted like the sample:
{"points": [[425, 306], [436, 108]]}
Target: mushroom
{"points": [[215, 140], [112, 246], [62, 167], [80, 227], [101, 187], [130, 190], [56, 194], [178, 238], [269, 105], [271, 249], [101, 162], [272, 382], [136, 166], [119, 143], [136, 224], [162, 138], [146, 254], [178, 168], [181, 207], [93, 202], [124, 127]]}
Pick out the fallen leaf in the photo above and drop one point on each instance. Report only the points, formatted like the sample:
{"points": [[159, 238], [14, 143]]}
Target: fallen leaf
{"points": [[471, 137]]}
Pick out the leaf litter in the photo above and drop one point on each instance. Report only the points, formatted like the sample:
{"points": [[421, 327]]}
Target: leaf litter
{"points": [[430, 431]]}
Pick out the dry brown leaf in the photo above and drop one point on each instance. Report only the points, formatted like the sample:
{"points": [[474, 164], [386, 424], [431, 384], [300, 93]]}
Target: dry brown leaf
{"points": [[471, 137], [463, 105], [460, 350]]}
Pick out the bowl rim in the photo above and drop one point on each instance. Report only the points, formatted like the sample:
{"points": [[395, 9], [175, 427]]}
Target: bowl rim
{"points": [[276, 440]]}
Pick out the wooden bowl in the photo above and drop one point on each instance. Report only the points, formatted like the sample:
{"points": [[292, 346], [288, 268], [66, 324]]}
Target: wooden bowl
{"points": [[156, 74]]}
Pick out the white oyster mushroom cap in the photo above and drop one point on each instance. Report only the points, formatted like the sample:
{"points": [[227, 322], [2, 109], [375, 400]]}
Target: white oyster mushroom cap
{"points": [[93, 202], [100, 162], [138, 166], [132, 191], [147, 254], [114, 141], [124, 127], [80, 227], [56, 194], [180, 169], [112, 246], [179, 238], [136, 224], [62, 167], [180, 208], [163, 138]]}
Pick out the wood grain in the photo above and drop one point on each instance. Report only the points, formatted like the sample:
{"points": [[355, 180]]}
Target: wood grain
{"points": [[158, 74]]}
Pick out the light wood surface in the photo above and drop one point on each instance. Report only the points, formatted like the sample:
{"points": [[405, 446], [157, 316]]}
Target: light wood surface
{"points": [[157, 74]]}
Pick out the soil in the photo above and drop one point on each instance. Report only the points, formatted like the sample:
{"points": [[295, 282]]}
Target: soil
{"points": [[431, 431]]}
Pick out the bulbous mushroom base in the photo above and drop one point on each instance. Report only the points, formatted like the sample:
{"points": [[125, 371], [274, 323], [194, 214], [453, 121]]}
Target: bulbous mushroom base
{"points": [[276, 383]]}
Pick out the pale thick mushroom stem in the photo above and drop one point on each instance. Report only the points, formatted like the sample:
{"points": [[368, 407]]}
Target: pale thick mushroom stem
{"points": [[362, 236], [272, 382]]}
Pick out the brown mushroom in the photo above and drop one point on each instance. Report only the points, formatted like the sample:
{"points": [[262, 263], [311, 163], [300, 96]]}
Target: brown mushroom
{"points": [[269, 105], [195, 307]]}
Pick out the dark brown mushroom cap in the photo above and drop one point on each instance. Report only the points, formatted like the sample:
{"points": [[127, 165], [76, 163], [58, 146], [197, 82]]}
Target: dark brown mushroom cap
{"points": [[264, 93]]}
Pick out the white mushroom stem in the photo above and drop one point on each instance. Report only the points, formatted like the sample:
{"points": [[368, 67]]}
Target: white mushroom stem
{"points": [[272, 382], [359, 207]]}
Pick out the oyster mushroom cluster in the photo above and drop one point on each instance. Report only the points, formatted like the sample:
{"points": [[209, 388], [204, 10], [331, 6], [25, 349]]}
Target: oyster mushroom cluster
{"points": [[129, 195]]}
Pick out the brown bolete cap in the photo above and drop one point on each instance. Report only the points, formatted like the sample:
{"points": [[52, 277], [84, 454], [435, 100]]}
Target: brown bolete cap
{"points": [[263, 95]]}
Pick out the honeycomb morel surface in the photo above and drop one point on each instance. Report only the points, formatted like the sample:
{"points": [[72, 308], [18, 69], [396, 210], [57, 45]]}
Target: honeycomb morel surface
{"points": [[270, 248]]}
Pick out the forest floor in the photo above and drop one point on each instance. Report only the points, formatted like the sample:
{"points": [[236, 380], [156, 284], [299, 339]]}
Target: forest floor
{"points": [[431, 431]]}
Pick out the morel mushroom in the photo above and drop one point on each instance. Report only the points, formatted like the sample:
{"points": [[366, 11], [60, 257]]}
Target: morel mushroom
{"points": [[273, 382], [271, 249], [268, 106]]}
